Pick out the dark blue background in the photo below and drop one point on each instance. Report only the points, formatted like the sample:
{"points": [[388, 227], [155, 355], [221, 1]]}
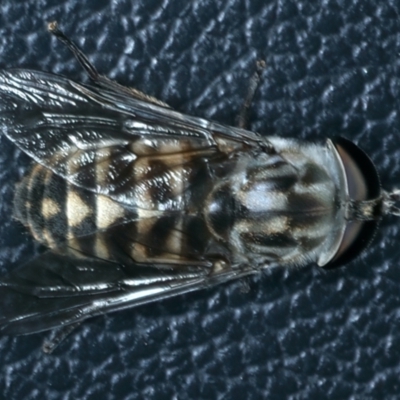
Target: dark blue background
{"points": [[333, 68]]}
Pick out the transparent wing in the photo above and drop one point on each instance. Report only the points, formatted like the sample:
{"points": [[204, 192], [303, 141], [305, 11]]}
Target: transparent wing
{"points": [[52, 291], [72, 128], [132, 151]]}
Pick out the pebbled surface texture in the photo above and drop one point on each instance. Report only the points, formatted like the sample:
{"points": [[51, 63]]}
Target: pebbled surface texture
{"points": [[333, 68]]}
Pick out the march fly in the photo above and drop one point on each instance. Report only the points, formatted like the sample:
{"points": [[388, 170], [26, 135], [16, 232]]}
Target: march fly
{"points": [[137, 202]]}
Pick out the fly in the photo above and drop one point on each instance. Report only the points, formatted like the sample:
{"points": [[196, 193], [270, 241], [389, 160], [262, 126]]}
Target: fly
{"points": [[136, 202]]}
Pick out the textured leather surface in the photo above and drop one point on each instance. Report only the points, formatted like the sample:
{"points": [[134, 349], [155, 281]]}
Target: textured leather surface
{"points": [[333, 68]]}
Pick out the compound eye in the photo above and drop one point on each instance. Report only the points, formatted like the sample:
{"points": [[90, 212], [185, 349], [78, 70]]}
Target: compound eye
{"points": [[363, 184]]}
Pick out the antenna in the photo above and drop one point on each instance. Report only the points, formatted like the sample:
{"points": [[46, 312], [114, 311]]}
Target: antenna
{"points": [[389, 199]]}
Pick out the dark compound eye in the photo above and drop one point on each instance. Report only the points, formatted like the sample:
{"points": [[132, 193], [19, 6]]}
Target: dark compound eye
{"points": [[363, 184]]}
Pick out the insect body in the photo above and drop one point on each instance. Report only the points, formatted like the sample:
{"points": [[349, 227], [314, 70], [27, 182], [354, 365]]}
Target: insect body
{"points": [[137, 202]]}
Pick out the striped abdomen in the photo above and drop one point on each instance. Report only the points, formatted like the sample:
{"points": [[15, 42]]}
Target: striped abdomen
{"points": [[161, 222], [257, 208]]}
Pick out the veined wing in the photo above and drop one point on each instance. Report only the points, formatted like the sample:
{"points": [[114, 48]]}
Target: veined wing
{"points": [[52, 291], [71, 129], [108, 143]]}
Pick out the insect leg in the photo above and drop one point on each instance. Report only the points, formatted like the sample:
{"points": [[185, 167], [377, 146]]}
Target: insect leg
{"points": [[57, 336], [251, 90], [91, 70], [79, 55]]}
